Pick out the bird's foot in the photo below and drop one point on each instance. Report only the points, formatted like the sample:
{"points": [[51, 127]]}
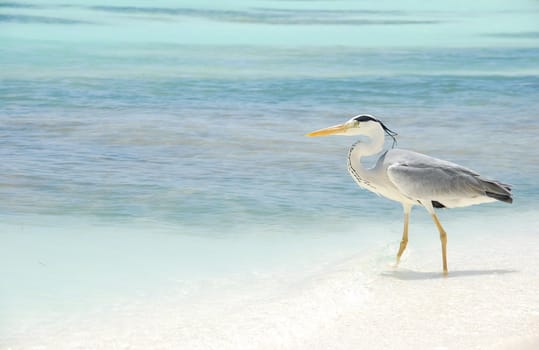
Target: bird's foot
{"points": [[395, 265]]}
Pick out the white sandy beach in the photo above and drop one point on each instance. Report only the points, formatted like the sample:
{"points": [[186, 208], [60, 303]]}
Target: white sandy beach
{"points": [[489, 301]]}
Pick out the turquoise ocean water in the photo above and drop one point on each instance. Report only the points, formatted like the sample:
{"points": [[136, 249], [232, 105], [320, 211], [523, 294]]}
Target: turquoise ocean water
{"points": [[157, 149]]}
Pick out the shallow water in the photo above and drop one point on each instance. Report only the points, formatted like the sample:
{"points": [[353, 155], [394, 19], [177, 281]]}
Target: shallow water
{"points": [[148, 149]]}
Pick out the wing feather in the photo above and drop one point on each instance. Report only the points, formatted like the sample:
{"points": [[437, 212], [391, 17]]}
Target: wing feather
{"points": [[425, 178]]}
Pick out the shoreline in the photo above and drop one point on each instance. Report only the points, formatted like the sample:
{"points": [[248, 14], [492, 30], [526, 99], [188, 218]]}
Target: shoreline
{"points": [[488, 301]]}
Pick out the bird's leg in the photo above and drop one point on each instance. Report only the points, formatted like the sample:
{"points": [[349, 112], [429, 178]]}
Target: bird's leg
{"points": [[443, 239], [404, 240]]}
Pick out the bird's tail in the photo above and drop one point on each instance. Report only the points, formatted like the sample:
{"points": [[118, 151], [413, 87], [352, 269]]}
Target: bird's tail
{"points": [[497, 190]]}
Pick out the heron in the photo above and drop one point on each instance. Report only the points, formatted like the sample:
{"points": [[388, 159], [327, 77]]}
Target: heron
{"points": [[413, 178]]}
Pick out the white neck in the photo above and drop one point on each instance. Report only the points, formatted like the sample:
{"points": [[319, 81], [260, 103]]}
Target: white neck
{"points": [[361, 174], [373, 146]]}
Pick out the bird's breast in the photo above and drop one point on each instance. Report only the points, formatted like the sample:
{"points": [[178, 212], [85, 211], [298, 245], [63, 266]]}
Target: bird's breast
{"points": [[389, 192], [362, 182]]}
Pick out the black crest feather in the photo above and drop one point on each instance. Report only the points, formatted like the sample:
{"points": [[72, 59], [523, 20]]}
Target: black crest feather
{"points": [[388, 131]]}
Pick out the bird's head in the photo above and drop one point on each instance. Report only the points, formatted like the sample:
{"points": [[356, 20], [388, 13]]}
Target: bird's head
{"points": [[362, 124]]}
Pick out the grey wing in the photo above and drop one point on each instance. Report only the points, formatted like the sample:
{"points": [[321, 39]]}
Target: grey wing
{"points": [[425, 178]]}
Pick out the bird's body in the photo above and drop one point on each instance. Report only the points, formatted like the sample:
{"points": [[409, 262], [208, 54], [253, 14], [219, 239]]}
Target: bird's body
{"points": [[447, 184], [413, 178]]}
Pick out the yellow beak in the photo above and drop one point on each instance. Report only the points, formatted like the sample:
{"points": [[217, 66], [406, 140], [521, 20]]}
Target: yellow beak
{"points": [[332, 130]]}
